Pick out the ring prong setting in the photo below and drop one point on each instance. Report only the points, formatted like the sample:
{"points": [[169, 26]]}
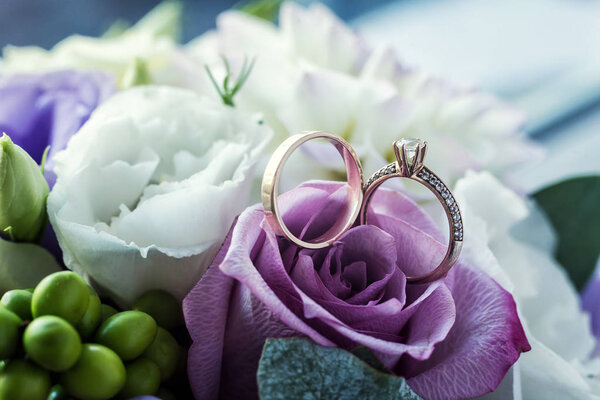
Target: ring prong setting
{"points": [[410, 154]]}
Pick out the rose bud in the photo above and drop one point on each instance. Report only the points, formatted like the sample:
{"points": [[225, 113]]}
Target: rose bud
{"points": [[23, 193]]}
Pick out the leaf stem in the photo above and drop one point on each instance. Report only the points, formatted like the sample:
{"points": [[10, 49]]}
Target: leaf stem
{"points": [[226, 92]]}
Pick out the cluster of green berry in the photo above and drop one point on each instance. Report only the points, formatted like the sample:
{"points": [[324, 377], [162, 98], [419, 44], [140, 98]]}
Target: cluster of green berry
{"points": [[58, 341]]}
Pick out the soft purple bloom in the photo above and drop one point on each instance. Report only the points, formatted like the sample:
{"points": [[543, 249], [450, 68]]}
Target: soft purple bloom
{"points": [[591, 303], [43, 110], [454, 338]]}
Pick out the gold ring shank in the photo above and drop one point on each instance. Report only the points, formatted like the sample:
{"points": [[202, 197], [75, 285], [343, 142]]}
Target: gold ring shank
{"points": [[443, 194], [270, 188]]}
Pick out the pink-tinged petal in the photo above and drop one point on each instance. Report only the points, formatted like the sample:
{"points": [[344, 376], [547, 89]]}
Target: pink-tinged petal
{"points": [[485, 341]]}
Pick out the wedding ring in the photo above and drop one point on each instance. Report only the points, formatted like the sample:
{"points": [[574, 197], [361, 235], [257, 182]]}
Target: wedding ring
{"points": [[270, 189], [410, 154]]}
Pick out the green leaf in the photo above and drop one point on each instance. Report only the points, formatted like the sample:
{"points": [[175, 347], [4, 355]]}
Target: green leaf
{"points": [[265, 9], [573, 207], [298, 368], [23, 265]]}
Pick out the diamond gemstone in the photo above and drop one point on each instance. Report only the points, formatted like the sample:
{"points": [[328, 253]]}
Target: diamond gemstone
{"points": [[410, 147], [439, 186], [456, 217], [446, 194], [425, 175], [449, 201]]}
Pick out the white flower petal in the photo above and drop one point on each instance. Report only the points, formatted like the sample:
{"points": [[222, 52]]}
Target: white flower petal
{"points": [[149, 187]]}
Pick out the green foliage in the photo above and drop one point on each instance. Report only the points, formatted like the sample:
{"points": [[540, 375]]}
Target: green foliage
{"points": [[573, 207]]}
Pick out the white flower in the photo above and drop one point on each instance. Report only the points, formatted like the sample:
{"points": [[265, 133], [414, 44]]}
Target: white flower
{"points": [[314, 73], [149, 187], [150, 41], [513, 242]]}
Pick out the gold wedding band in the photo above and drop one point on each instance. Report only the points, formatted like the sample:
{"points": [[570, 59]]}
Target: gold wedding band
{"points": [[270, 188]]}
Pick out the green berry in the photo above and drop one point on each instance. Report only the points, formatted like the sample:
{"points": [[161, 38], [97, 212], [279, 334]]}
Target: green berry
{"points": [[164, 352], [143, 378], [63, 294], [163, 307], [52, 343], [128, 333], [98, 375], [19, 302], [91, 319], [57, 393], [22, 380], [9, 333], [107, 312]]}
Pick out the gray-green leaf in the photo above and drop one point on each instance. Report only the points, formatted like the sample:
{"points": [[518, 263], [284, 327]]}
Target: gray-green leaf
{"points": [[573, 207], [298, 368]]}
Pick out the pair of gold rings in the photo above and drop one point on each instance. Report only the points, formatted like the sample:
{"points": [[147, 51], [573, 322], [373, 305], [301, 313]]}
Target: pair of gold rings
{"points": [[409, 153]]}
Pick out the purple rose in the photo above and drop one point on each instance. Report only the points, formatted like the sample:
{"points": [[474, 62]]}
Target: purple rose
{"points": [[454, 338], [46, 110]]}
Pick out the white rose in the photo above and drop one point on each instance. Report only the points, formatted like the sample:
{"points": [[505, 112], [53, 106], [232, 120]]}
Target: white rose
{"points": [[313, 73], [513, 242], [150, 42], [149, 187]]}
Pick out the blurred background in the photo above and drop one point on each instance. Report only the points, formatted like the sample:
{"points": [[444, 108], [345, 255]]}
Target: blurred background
{"points": [[540, 55]]}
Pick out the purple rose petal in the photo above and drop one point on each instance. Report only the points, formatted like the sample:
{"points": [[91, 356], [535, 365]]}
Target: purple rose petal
{"points": [[486, 339]]}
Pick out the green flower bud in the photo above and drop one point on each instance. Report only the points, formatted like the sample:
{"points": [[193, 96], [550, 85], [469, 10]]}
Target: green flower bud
{"points": [[23, 193]]}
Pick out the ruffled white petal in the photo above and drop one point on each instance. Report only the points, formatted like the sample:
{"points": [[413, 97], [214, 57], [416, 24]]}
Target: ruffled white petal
{"points": [[149, 187]]}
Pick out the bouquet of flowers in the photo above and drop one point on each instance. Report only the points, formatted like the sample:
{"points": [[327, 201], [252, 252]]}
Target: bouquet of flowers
{"points": [[136, 260]]}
